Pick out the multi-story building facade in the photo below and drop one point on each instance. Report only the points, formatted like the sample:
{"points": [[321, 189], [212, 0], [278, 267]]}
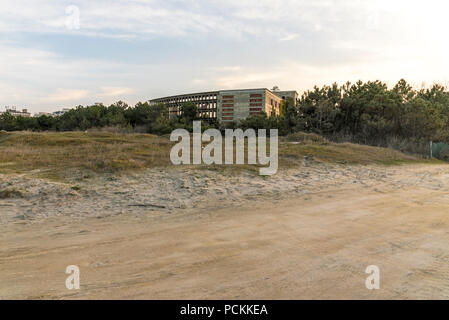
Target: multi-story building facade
{"points": [[207, 103], [227, 106]]}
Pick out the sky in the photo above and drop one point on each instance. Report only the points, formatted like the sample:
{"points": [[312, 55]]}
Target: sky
{"points": [[58, 54]]}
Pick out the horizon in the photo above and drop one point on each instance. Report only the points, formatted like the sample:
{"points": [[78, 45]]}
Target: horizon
{"points": [[74, 53], [422, 86]]}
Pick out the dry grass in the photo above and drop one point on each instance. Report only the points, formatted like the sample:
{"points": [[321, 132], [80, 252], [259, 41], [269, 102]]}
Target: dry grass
{"points": [[55, 153], [300, 144], [345, 153], [52, 155]]}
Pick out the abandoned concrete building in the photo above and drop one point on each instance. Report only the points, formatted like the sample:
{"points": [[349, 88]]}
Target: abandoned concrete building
{"points": [[226, 106]]}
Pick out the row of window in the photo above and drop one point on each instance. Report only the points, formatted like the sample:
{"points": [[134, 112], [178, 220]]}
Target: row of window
{"points": [[228, 109], [190, 99], [256, 100]]}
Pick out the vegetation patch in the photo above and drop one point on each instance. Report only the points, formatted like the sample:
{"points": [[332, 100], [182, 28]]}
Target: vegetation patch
{"points": [[10, 193], [59, 156]]}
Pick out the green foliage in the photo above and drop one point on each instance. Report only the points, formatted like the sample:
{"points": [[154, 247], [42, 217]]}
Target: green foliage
{"points": [[143, 117], [370, 113], [152, 118], [367, 113], [189, 111], [286, 123], [260, 121]]}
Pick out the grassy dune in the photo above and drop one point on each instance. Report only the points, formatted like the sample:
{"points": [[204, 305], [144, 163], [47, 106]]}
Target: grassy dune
{"points": [[53, 154]]}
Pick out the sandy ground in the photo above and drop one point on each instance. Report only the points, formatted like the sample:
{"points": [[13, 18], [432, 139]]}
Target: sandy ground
{"points": [[308, 233]]}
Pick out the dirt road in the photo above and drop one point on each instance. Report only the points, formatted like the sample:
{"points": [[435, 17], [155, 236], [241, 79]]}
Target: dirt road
{"points": [[314, 246]]}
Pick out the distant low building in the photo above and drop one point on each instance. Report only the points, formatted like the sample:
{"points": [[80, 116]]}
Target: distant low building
{"points": [[48, 114], [61, 112], [17, 113]]}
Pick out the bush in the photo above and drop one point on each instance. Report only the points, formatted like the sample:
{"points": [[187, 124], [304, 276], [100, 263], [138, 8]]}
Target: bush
{"points": [[303, 137], [444, 155]]}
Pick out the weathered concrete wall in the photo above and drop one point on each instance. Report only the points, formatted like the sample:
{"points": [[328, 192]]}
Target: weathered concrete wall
{"points": [[234, 105], [272, 103], [288, 94]]}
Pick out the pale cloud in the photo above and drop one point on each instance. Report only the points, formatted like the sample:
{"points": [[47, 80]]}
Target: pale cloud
{"points": [[115, 91], [284, 19], [200, 82], [63, 95], [44, 81], [73, 95], [226, 68], [248, 79], [289, 37], [172, 18], [230, 18]]}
